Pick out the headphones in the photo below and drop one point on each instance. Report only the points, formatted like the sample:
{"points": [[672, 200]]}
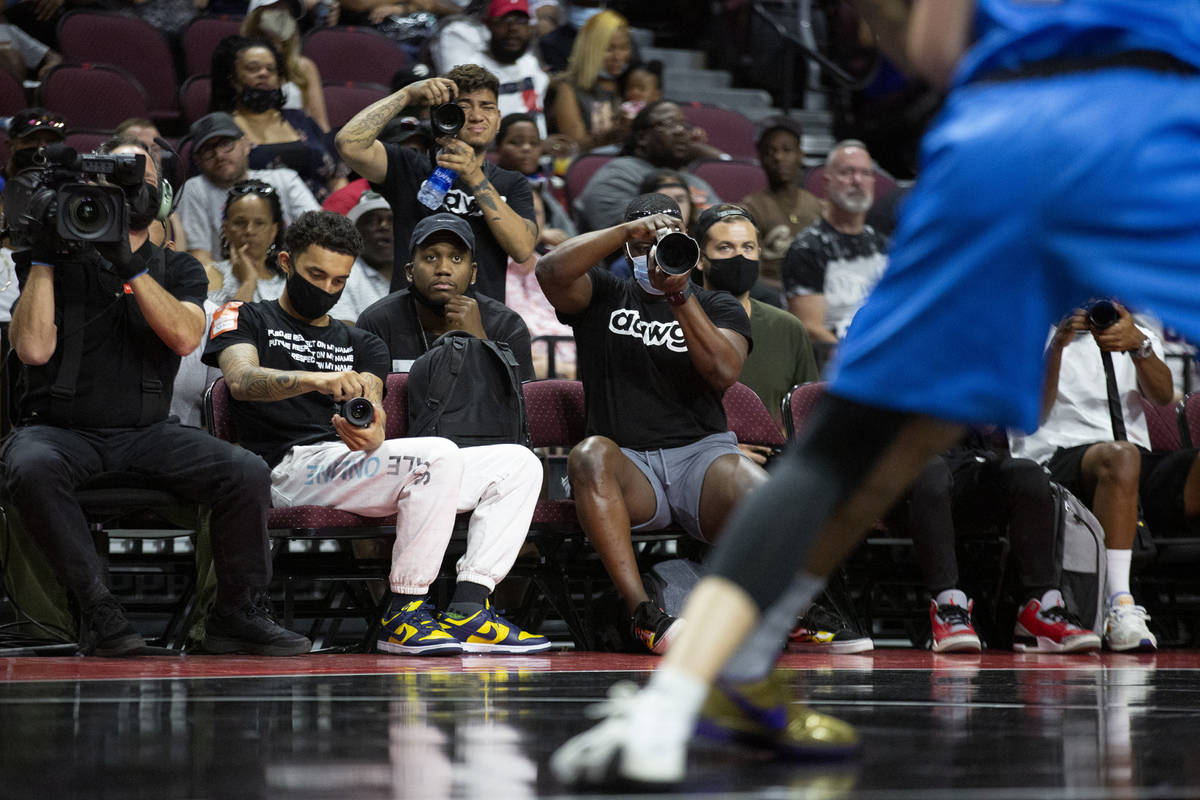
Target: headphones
{"points": [[167, 198]]}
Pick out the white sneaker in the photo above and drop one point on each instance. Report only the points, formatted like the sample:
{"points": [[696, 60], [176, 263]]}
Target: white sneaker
{"points": [[1125, 628], [611, 751]]}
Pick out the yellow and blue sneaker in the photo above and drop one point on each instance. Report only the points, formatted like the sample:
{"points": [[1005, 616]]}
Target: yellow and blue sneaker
{"points": [[485, 631], [412, 631], [762, 714]]}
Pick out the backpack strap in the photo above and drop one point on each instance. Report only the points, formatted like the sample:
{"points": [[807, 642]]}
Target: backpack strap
{"points": [[442, 382], [506, 355]]}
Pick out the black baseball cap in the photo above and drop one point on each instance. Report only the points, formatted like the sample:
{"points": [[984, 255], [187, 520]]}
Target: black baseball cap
{"points": [[719, 213], [210, 126], [35, 120], [400, 129], [441, 222]]}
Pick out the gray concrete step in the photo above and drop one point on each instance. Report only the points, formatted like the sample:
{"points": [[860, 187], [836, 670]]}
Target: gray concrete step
{"points": [[740, 99], [680, 78], [672, 58]]}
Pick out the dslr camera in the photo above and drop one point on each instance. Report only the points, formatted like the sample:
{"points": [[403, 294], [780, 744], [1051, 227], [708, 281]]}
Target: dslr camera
{"points": [[675, 252], [1101, 314], [60, 204], [358, 411], [447, 119]]}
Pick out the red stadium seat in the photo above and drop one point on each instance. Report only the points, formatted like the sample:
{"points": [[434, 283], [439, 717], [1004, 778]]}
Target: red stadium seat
{"points": [[357, 55], [731, 180], [200, 38], [580, 172], [344, 100], [729, 131], [798, 405], [131, 44], [93, 95], [194, 97], [12, 95]]}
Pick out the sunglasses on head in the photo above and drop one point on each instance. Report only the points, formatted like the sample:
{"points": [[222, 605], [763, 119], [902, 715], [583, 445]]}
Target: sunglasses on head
{"points": [[43, 121], [263, 191]]}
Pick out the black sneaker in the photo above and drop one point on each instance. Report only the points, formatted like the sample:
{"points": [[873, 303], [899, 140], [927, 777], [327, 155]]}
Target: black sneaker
{"points": [[252, 629], [823, 630], [105, 631], [654, 627]]}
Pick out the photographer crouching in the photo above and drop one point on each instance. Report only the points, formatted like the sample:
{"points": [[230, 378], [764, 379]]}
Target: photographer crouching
{"points": [[101, 322]]}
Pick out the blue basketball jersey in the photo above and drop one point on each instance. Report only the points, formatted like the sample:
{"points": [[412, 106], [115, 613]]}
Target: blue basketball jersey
{"points": [[1009, 33]]}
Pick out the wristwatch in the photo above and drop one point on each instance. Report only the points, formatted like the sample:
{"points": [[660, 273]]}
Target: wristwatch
{"points": [[1144, 350]]}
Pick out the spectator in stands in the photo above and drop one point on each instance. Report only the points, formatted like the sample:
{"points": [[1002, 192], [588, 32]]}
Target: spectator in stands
{"points": [[408, 132], [252, 229], [246, 82], [1102, 453], [371, 278], [274, 20], [784, 208], [640, 84], [660, 138], [440, 270], [28, 130], [98, 402], [833, 264], [23, 56], [169, 16], [972, 487], [495, 201], [524, 295], [146, 132], [655, 355], [222, 152], [555, 45], [519, 148], [584, 104], [783, 357], [409, 24], [503, 51], [284, 406]]}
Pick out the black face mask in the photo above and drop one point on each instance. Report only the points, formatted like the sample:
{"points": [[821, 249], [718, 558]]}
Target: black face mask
{"points": [[259, 100], [310, 301], [734, 275], [143, 206]]}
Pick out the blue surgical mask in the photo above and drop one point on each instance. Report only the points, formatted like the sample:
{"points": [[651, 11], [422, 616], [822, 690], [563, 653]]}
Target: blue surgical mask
{"points": [[641, 271]]}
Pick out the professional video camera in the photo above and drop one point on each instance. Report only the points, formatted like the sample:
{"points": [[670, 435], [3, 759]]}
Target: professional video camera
{"points": [[59, 205]]}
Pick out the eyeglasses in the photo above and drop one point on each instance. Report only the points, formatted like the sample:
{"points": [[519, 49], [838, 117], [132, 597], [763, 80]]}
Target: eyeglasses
{"points": [[211, 149], [243, 189]]}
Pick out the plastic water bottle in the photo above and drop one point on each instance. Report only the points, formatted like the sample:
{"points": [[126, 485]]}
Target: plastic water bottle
{"points": [[433, 190]]}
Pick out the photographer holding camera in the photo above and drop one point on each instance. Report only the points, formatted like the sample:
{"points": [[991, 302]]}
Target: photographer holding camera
{"points": [[656, 353], [497, 203], [295, 374], [102, 320], [1095, 441]]}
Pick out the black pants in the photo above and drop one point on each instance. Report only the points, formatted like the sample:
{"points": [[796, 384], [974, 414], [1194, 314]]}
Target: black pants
{"points": [[971, 494], [42, 465]]}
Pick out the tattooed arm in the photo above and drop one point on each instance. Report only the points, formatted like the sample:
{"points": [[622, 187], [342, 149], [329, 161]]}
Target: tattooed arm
{"points": [[358, 140], [515, 234], [253, 383]]}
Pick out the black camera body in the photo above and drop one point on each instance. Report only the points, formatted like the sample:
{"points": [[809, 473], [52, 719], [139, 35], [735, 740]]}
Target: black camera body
{"points": [[59, 206], [358, 411], [676, 252], [1102, 314], [447, 119]]}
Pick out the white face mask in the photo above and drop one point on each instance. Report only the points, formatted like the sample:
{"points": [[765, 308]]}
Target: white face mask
{"points": [[641, 271]]}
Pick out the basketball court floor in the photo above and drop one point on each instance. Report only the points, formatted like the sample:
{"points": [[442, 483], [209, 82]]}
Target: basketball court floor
{"points": [[997, 725]]}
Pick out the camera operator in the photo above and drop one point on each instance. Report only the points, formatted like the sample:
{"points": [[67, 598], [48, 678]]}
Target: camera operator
{"points": [[497, 203], [99, 334], [1098, 445], [655, 353]]}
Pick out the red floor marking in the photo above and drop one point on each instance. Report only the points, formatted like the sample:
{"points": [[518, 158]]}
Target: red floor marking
{"points": [[164, 667]]}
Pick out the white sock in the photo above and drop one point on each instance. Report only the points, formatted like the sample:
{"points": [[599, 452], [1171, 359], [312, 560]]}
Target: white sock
{"points": [[667, 708], [1118, 571], [760, 650], [951, 597]]}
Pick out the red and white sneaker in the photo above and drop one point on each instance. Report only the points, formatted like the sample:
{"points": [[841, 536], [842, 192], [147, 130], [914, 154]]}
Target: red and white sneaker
{"points": [[1051, 629], [952, 628]]}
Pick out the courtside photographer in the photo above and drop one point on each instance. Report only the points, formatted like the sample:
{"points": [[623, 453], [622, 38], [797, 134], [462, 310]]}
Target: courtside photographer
{"points": [[98, 330]]}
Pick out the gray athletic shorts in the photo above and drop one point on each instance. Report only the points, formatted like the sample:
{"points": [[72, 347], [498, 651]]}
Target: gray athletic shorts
{"points": [[677, 475]]}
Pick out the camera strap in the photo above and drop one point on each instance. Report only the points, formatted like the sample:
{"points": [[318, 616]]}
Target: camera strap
{"points": [[62, 391], [152, 386], [1115, 412]]}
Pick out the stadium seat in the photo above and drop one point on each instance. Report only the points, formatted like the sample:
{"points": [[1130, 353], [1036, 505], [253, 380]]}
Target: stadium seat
{"points": [[1189, 420], [731, 180], [798, 404], [727, 130], [86, 140], [749, 419], [194, 97], [131, 44], [1163, 423], [93, 95], [200, 38], [12, 95], [580, 172], [357, 55], [344, 100]]}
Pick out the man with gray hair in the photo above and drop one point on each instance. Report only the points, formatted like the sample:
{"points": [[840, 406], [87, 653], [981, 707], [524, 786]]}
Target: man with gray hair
{"points": [[834, 263]]}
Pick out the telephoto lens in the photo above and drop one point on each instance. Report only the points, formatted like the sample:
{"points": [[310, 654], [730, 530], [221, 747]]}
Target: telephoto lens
{"points": [[1102, 314], [358, 411], [675, 252], [447, 119]]}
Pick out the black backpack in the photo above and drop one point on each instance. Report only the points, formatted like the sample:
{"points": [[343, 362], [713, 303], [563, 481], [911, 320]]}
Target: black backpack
{"points": [[467, 390]]}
